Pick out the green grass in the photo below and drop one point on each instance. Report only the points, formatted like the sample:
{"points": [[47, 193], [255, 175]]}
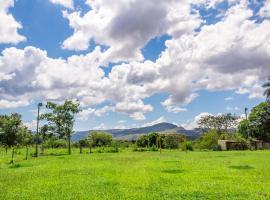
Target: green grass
{"points": [[137, 175]]}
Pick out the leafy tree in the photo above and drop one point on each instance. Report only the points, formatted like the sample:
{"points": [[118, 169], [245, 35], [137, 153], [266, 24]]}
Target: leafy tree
{"points": [[173, 140], [220, 123], [99, 139], [208, 140], [267, 89], [61, 119], [153, 138], [10, 126], [143, 141], [259, 121], [244, 128], [13, 132]]}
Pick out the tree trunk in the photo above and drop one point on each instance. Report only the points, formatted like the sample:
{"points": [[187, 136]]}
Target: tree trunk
{"points": [[6, 150], [42, 150], [90, 148], [69, 145], [12, 156], [80, 149], [26, 155]]}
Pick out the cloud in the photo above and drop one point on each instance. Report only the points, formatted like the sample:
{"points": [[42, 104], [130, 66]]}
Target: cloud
{"points": [[190, 125], [157, 121], [175, 109], [228, 98], [5, 104], [100, 127], [265, 10], [126, 26], [192, 60], [66, 3], [8, 25], [135, 110], [87, 113]]}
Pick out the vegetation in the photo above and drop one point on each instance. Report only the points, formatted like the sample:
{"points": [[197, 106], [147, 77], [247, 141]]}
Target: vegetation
{"points": [[61, 119], [258, 123], [137, 175], [220, 123]]}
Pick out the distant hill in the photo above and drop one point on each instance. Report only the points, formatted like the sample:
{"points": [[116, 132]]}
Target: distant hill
{"points": [[134, 133]]}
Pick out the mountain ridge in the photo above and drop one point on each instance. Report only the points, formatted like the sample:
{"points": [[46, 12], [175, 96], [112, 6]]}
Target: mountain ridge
{"points": [[134, 133]]}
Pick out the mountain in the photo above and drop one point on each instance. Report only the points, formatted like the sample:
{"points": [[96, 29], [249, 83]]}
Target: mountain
{"points": [[134, 133]]}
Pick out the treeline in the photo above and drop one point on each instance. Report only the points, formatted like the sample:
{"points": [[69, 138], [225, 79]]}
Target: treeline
{"points": [[256, 126]]}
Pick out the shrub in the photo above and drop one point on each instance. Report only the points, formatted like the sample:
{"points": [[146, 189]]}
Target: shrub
{"points": [[208, 141], [186, 146], [172, 141]]}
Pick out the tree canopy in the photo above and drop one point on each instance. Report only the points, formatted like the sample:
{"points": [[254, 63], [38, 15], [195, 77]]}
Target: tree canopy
{"points": [[60, 119]]}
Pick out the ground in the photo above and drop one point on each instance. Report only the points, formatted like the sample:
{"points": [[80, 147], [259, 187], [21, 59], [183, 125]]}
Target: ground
{"points": [[137, 175]]}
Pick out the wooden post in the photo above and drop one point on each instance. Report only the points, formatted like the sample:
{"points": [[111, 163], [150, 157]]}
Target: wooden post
{"points": [[26, 155], [90, 148], [80, 149], [12, 156]]}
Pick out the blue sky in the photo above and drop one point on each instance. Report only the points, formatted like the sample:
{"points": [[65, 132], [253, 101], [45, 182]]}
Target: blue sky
{"points": [[134, 63]]}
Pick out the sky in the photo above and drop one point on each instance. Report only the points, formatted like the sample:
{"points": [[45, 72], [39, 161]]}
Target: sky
{"points": [[133, 63]]}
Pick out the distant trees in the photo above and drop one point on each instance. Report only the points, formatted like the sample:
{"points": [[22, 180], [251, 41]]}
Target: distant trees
{"points": [[13, 132], [220, 123], [98, 139], [153, 139], [173, 140], [61, 119]]}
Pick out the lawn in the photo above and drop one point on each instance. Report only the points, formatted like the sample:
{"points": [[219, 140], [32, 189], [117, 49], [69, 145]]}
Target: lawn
{"points": [[138, 175]]}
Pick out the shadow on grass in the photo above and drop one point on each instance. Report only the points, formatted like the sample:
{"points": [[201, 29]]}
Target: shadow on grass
{"points": [[57, 154], [241, 167], [16, 166], [173, 171]]}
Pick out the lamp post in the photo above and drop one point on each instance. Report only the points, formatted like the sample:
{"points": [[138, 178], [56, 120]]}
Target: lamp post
{"points": [[37, 133]]}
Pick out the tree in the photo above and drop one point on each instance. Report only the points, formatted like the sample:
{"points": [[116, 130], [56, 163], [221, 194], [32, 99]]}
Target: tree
{"points": [[259, 120], [208, 140], [99, 139], [10, 126], [61, 119], [173, 140], [243, 128], [12, 131], [267, 89], [220, 123]]}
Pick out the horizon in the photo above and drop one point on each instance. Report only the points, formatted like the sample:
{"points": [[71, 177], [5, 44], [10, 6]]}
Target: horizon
{"points": [[134, 63]]}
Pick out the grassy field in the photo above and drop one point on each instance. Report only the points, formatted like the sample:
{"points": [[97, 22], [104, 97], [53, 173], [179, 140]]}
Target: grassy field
{"points": [[138, 175]]}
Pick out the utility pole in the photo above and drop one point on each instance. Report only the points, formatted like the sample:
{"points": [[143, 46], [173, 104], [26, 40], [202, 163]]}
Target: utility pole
{"points": [[37, 132], [246, 110]]}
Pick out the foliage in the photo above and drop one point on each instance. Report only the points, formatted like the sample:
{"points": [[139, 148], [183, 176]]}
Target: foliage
{"points": [[259, 121], [61, 119], [172, 141], [13, 132], [243, 128], [208, 140], [220, 123], [186, 146], [99, 139]]}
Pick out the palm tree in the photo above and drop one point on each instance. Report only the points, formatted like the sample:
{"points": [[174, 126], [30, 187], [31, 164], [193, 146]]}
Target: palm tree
{"points": [[267, 89]]}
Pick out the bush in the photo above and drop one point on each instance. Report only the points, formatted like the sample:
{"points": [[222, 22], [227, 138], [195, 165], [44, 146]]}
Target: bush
{"points": [[172, 141], [153, 148], [186, 146], [99, 139], [208, 141], [60, 143]]}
